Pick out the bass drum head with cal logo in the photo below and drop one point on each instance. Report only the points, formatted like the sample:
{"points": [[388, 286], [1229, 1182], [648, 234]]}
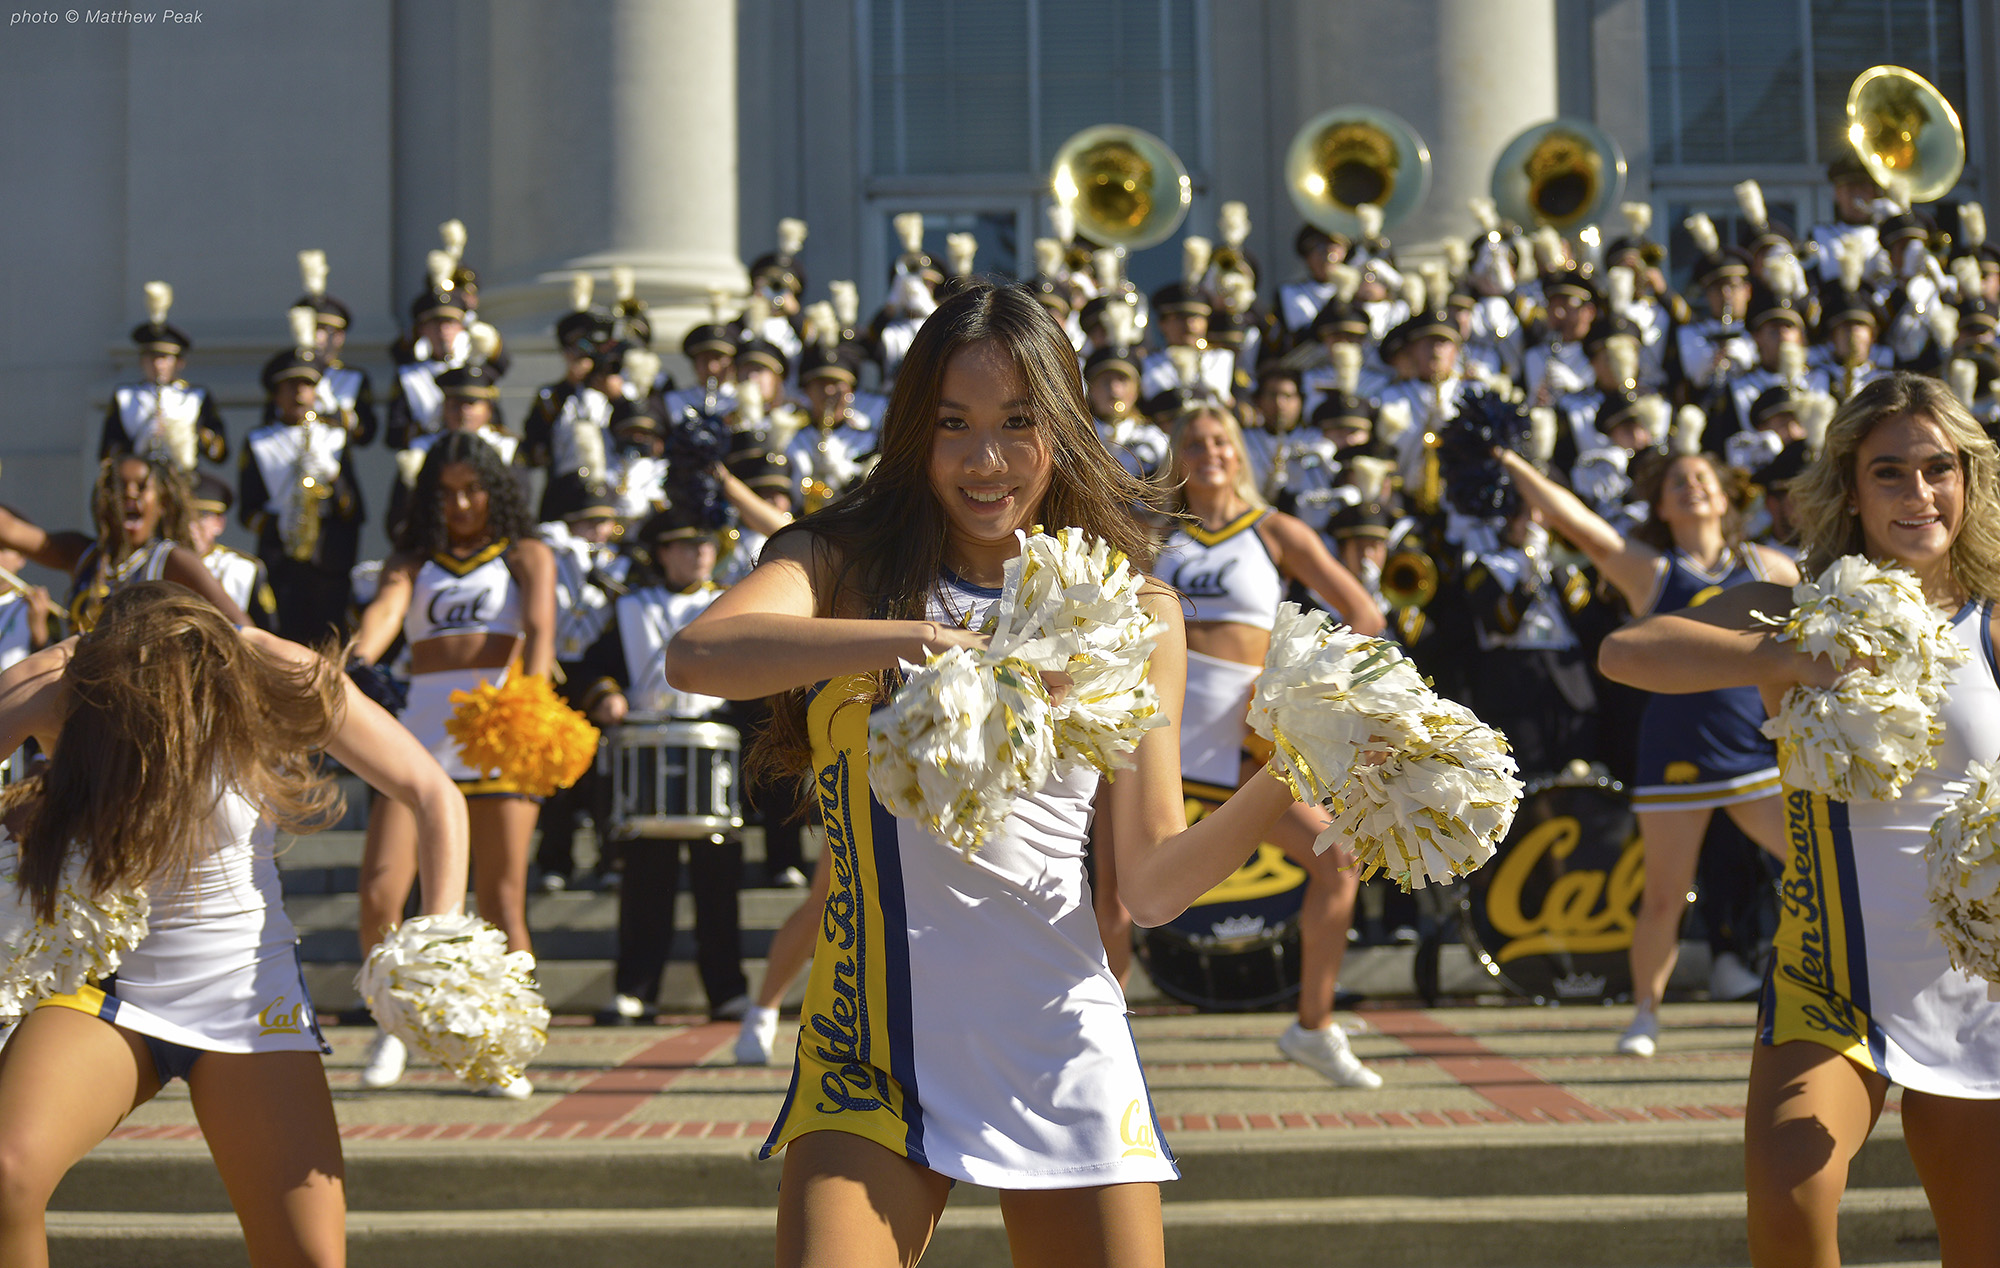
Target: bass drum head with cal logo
{"points": [[1551, 915]]}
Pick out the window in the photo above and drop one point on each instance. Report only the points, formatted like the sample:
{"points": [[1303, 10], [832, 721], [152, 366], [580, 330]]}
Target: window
{"points": [[966, 102], [992, 87], [1764, 82]]}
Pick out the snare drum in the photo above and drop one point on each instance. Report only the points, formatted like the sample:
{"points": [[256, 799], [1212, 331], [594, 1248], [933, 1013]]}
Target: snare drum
{"points": [[1236, 948], [672, 779]]}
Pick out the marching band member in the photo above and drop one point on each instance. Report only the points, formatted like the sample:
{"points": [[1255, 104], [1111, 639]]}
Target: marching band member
{"points": [[626, 670], [179, 748], [298, 493], [1847, 354], [574, 448], [345, 392], [139, 507], [1231, 556], [1714, 347], [1298, 303], [1863, 994], [913, 282], [710, 348], [1111, 385], [471, 402], [1778, 329], [832, 449], [1697, 753], [1558, 365], [987, 433], [163, 414], [438, 323], [241, 576], [1852, 228], [637, 468], [1182, 309], [473, 594], [1423, 352]]}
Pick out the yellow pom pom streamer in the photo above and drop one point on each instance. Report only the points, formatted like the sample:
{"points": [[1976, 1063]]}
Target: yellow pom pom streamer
{"points": [[522, 732]]}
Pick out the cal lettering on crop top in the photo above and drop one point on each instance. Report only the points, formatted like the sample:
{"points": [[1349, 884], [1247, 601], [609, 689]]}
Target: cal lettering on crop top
{"points": [[476, 595], [1228, 575]]}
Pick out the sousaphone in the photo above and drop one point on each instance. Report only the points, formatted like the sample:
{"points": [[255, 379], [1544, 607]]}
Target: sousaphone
{"points": [[1126, 187], [1355, 155], [1905, 133], [1565, 173]]}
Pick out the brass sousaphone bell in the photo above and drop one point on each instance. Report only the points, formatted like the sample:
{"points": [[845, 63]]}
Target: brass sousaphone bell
{"points": [[1126, 187], [1565, 173], [1355, 155], [1905, 133]]}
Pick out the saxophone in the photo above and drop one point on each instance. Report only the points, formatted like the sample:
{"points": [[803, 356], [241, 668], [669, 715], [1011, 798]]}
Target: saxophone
{"points": [[312, 487]]}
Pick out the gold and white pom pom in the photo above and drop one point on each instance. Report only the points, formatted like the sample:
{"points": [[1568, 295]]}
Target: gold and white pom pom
{"points": [[1868, 735], [961, 739], [448, 987], [1420, 788], [1071, 604], [1962, 875], [89, 936]]}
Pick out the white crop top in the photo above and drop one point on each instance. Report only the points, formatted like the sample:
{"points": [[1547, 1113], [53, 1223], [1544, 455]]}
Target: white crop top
{"points": [[1227, 575], [465, 596]]}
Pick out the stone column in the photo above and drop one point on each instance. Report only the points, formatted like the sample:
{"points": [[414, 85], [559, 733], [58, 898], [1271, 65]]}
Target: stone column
{"points": [[614, 142]]}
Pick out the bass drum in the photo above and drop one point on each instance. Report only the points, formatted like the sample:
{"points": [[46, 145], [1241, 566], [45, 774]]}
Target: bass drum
{"points": [[1551, 915], [1236, 949]]}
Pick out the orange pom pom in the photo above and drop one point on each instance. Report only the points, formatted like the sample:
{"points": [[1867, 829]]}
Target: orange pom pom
{"points": [[521, 731]]}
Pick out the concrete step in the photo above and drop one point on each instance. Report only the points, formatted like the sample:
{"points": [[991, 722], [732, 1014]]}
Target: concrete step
{"points": [[1584, 1162], [1634, 1230]]}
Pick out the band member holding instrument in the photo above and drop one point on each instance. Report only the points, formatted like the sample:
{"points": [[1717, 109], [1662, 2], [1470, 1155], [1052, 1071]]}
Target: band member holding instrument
{"points": [[625, 673], [1906, 476], [474, 595], [179, 747], [931, 1078], [1697, 753], [243, 576], [164, 414]]}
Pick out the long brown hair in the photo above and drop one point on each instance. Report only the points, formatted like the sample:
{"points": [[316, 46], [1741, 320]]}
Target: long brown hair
{"points": [[168, 709], [884, 540], [1651, 481], [1822, 495]]}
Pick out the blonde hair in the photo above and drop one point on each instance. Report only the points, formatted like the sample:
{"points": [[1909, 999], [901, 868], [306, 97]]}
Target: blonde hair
{"points": [[1246, 479], [169, 708], [1822, 496]]}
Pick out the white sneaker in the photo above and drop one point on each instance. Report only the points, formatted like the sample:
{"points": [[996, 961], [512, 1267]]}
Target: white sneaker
{"points": [[1641, 1037], [1730, 978], [758, 1036], [517, 1090], [1327, 1052], [385, 1061], [630, 1007]]}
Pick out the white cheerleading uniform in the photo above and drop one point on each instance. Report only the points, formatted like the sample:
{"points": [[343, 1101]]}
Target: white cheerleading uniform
{"points": [[459, 596], [1227, 575], [218, 969], [961, 1013], [1859, 965]]}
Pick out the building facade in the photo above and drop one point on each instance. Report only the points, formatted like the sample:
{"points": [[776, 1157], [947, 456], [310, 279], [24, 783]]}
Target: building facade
{"points": [[671, 135]]}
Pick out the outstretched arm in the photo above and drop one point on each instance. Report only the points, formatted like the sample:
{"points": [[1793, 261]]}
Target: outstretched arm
{"points": [[184, 566], [1720, 644], [376, 747], [1629, 565], [764, 635], [34, 698], [1302, 556]]}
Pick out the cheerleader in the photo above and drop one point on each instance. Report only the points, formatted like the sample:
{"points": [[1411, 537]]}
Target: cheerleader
{"points": [[180, 748], [473, 593], [1231, 557], [140, 507], [918, 1064], [1698, 753], [1862, 994]]}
